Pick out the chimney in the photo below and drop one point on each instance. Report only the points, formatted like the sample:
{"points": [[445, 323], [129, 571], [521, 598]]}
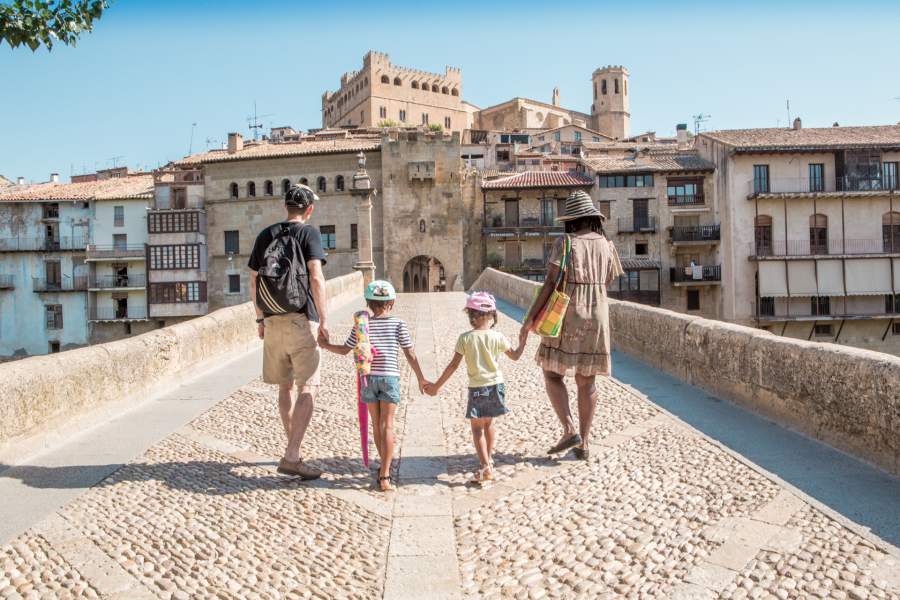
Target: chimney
{"points": [[556, 96], [681, 134], [54, 177], [235, 143], [20, 180], [797, 124], [836, 124]]}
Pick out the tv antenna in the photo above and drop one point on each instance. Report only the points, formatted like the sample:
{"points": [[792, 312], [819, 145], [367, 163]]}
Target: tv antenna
{"points": [[699, 120], [787, 105], [115, 161], [191, 145], [253, 122], [212, 141]]}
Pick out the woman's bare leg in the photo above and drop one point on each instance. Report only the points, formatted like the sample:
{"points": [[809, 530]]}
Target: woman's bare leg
{"points": [[587, 405], [559, 399]]}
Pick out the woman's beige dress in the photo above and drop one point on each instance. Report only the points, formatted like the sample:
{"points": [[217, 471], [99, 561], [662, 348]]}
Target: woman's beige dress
{"points": [[583, 344]]}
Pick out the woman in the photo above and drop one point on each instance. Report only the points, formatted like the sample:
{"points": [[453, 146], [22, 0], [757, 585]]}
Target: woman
{"points": [[582, 348]]}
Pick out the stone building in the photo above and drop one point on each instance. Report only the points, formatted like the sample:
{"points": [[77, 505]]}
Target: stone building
{"points": [[519, 114], [382, 91], [610, 109], [811, 230]]}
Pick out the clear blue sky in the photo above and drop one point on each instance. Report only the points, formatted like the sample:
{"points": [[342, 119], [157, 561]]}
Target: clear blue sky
{"points": [[133, 87]]}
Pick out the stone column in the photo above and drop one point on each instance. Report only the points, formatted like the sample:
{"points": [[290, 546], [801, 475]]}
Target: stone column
{"points": [[362, 194]]}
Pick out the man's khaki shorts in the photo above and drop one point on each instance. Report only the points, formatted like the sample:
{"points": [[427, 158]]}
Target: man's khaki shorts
{"points": [[290, 351]]}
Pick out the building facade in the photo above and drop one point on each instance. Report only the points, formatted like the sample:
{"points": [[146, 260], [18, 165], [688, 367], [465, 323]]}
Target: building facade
{"points": [[811, 231], [610, 111]]}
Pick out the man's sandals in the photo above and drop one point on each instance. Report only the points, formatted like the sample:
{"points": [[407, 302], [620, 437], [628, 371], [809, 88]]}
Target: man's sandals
{"points": [[385, 483], [566, 443]]}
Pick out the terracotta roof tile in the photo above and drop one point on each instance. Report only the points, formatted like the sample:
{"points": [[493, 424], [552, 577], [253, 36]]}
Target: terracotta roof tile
{"points": [[633, 263], [538, 179], [132, 186], [269, 150], [651, 161], [808, 138]]}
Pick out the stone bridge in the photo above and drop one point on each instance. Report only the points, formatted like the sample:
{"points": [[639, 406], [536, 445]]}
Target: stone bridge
{"points": [[145, 469]]}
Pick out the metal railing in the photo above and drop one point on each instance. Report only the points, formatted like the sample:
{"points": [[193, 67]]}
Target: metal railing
{"points": [[66, 284], [118, 281], [112, 313], [805, 185], [779, 311], [693, 274], [686, 200], [7, 282], [41, 244], [641, 224], [832, 246], [697, 233], [115, 251]]}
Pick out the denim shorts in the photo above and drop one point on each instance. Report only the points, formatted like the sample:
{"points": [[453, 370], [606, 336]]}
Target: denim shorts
{"points": [[381, 388], [488, 401]]}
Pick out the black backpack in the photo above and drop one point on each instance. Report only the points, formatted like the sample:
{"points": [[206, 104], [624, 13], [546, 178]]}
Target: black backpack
{"points": [[283, 282]]}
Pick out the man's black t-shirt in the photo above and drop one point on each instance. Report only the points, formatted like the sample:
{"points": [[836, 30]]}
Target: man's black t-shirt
{"points": [[311, 244]]}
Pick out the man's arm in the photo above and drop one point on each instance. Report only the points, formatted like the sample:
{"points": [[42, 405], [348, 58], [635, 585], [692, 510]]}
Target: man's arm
{"points": [[261, 327], [317, 287]]}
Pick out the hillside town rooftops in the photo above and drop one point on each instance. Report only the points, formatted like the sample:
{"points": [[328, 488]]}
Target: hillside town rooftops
{"points": [[133, 186], [538, 179], [807, 139], [263, 150], [649, 161]]}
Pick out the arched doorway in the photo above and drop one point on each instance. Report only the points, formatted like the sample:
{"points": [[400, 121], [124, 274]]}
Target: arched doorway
{"points": [[424, 274]]}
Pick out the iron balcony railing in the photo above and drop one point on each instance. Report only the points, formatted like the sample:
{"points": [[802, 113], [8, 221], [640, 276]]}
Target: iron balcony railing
{"points": [[118, 281], [7, 282], [638, 225], [41, 244], [111, 313], [763, 310], [699, 273], [824, 248], [686, 200], [66, 284], [697, 233], [807, 185], [115, 251]]}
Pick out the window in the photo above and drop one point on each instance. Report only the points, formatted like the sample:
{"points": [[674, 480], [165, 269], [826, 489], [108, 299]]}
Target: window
{"points": [[424, 118], [354, 239], [577, 136], [184, 256], [179, 198], [232, 242], [889, 176], [321, 184], [50, 211], [816, 177], [693, 299], [54, 347], [762, 227], [415, 85], [304, 181], [233, 190], [684, 191], [454, 92], [511, 212], [434, 88], [595, 138], [616, 85], [268, 188], [251, 189], [339, 183], [173, 222], [820, 305], [603, 87], [895, 328], [118, 216], [382, 112], [402, 116], [53, 316], [890, 231], [892, 303], [560, 207], [604, 207], [614, 181], [234, 284], [823, 330], [446, 122], [177, 292], [397, 81], [285, 186], [328, 236], [547, 211], [767, 306], [640, 213], [120, 241], [556, 136], [818, 234], [52, 274], [760, 179], [445, 90], [385, 79], [641, 249], [502, 155]]}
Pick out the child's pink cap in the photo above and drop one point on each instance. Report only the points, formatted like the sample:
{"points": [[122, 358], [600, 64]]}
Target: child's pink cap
{"points": [[481, 301]]}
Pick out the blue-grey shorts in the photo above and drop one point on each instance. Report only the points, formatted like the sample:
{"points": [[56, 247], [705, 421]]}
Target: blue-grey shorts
{"points": [[488, 401], [381, 388]]}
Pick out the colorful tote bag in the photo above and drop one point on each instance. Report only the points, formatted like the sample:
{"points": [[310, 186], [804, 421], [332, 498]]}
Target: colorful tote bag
{"points": [[548, 322]]}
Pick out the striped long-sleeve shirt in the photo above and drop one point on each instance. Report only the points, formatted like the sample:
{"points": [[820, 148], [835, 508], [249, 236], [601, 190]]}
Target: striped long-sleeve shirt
{"points": [[388, 335]]}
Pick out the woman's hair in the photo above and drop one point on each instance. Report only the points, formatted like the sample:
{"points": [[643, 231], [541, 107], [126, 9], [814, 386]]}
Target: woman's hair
{"points": [[379, 306], [475, 315], [595, 223]]}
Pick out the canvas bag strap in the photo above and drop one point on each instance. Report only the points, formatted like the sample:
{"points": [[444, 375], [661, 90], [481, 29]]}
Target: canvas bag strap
{"points": [[563, 275]]}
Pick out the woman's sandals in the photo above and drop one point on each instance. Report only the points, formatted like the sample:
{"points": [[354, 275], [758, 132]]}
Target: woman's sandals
{"points": [[484, 475], [384, 482]]}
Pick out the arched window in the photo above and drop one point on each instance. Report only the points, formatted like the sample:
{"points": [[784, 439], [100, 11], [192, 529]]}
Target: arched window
{"points": [[234, 190], [396, 81], [603, 86], [616, 84], [421, 225], [321, 184], [268, 188], [415, 85], [339, 183], [445, 90], [366, 81], [890, 231], [385, 79], [304, 181], [285, 185], [251, 189], [818, 234], [762, 226], [434, 87], [454, 92]]}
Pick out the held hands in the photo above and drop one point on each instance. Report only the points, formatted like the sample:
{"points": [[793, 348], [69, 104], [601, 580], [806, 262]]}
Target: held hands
{"points": [[323, 337], [431, 389], [261, 330]]}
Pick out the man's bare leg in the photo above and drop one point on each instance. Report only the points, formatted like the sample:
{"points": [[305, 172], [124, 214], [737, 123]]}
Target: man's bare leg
{"points": [[300, 417], [285, 406]]}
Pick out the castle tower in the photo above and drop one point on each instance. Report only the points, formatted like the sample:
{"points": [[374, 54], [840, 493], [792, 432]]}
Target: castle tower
{"points": [[609, 112]]}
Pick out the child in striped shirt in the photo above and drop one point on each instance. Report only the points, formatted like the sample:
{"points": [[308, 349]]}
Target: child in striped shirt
{"points": [[388, 336]]}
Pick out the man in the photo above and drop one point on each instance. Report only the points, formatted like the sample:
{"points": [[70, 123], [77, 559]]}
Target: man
{"points": [[291, 354]]}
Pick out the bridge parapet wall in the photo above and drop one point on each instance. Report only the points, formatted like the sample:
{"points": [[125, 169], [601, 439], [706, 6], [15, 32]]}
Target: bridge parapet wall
{"points": [[42, 392], [846, 397]]}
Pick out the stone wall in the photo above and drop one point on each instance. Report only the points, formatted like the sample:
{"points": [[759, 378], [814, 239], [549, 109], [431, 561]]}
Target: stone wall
{"points": [[42, 391], [846, 397]]}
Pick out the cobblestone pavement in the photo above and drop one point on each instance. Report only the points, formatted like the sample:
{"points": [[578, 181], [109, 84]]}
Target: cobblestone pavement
{"points": [[659, 511]]}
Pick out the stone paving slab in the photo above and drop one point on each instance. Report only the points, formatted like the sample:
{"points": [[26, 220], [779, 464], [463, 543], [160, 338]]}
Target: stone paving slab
{"points": [[659, 511]]}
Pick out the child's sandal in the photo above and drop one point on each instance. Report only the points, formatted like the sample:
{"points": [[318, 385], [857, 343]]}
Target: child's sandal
{"points": [[483, 475], [385, 483]]}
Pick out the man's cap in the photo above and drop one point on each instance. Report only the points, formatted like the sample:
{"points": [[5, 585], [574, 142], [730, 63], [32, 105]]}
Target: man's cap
{"points": [[300, 196], [380, 290]]}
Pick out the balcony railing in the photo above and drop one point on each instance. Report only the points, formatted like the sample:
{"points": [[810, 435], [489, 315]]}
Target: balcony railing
{"points": [[132, 313], [686, 200], [640, 296], [67, 284], [7, 282], [698, 233], [118, 281], [805, 185], [763, 311], [41, 244], [832, 246], [641, 224], [115, 251], [695, 274]]}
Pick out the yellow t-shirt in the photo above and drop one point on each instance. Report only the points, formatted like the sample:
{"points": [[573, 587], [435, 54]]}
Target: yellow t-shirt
{"points": [[482, 349]]}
